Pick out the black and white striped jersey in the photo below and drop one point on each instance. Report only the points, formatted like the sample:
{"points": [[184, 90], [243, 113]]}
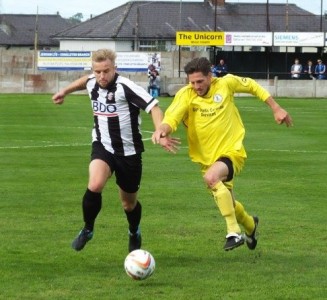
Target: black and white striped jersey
{"points": [[116, 111]]}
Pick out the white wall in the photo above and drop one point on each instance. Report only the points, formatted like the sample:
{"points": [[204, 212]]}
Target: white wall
{"points": [[124, 46], [87, 45]]}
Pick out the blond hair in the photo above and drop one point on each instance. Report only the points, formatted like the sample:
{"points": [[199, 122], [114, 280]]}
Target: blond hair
{"points": [[104, 54]]}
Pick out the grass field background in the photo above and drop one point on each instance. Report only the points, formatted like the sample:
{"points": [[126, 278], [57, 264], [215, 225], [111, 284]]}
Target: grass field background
{"points": [[44, 168]]}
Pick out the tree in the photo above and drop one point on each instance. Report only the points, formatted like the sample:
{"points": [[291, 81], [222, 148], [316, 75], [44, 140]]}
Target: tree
{"points": [[77, 18]]}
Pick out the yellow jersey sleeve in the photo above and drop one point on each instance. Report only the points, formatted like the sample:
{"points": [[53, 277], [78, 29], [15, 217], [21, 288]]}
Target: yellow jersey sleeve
{"points": [[178, 109], [246, 85]]}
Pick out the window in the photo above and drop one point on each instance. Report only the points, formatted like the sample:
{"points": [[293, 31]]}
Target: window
{"points": [[152, 45]]}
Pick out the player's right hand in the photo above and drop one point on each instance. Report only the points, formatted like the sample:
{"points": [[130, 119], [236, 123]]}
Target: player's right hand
{"points": [[170, 144], [58, 98]]}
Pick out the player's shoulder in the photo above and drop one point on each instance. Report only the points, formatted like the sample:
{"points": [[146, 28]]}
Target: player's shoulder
{"points": [[185, 91], [91, 77], [121, 79], [234, 79], [90, 81]]}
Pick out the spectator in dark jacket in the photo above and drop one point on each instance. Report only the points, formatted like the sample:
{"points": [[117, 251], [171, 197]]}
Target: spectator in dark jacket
{"points": [[221, 68]]}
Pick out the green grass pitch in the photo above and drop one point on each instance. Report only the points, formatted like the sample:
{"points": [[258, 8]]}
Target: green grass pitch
{"points": [[44, 168]]}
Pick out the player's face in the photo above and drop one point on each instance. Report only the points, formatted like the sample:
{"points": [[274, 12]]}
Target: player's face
{"points": [[104, 72], [200, 83]]}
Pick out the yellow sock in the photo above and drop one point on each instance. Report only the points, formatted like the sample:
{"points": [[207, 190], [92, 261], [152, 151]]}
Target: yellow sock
{"points": [[244, 218], [224, 201]]}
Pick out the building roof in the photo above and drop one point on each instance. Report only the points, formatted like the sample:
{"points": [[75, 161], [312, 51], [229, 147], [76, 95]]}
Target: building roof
{"points": [[19, 30], [161, 20]]}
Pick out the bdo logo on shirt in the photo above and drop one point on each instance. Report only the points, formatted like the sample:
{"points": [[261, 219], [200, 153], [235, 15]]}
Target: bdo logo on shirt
{"points": [[99, 107]]}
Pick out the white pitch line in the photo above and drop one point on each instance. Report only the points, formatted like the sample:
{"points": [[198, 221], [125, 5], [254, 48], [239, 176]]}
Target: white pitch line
{"points": [[44, 146], [148, 139], [46, 126], [280, 150], [288, 150]]}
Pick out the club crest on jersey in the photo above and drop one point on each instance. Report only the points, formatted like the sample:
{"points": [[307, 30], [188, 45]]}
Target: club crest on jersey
{"points": [[217, 98], [110, 97]]}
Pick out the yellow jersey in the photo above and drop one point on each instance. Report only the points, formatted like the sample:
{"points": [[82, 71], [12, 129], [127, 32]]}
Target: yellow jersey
{"points": [[213, 123]]}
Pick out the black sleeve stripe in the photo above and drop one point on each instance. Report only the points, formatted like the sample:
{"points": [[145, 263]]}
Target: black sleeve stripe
{"points": [[134, 98]]}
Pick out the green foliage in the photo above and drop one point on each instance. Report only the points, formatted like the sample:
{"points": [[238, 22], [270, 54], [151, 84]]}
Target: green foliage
{"points": [[44, 167], [77, 18]]}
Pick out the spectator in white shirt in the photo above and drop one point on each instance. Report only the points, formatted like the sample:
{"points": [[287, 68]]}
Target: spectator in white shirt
{"points": [[296, 69]]}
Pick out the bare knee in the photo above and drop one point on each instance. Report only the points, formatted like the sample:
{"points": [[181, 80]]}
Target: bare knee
{"points": [[99, 173], [128, 206], [210, 180], [128, 200], [95, 186], [216, 173]]}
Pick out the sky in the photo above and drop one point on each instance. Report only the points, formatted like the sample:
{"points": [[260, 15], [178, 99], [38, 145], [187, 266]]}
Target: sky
{"points": [[68, 8]]}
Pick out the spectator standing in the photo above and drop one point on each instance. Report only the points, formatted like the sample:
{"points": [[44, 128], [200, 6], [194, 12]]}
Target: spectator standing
{"points": [[151, 68], [221, 68], [320, 70], [309, 70], [296, 69], [154, 84]]}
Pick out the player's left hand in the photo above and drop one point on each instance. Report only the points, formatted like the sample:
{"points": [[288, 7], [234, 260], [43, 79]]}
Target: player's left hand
{"points": [[170, 144], [282, 116]]}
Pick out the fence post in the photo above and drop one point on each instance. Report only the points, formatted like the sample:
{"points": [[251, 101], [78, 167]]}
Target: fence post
{"points": [[314, 87], [57, 82], [276, 85]]}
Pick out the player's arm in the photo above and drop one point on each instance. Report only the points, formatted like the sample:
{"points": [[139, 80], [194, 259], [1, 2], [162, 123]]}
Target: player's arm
{"points": [[281, 115], [248, 85], [173, 116], [157, 116], [169, 143], [77, 85]]}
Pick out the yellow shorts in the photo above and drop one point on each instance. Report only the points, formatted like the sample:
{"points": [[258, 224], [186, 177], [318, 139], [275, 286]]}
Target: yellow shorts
{"points": [[238, 161]]}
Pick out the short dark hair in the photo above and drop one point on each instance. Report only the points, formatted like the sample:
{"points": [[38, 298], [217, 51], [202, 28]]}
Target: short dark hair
{"points": [[200, 64]]}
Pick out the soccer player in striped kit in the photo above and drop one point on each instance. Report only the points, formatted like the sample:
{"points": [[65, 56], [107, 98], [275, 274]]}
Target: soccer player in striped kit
{"points": [[116, 141], [215, 135]]}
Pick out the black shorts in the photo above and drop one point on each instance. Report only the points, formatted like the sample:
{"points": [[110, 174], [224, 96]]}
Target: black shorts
{"points": [[230, 167], [127, 169]]}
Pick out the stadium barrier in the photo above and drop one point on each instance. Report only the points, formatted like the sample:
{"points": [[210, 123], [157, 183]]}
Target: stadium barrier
{"points": [[52, 82]]}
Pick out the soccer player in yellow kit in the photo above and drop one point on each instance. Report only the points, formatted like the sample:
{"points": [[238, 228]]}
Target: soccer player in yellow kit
{"points": [[215, 134]]}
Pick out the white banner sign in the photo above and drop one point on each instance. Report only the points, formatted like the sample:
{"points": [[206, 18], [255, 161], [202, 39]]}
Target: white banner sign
{"points": [[248, 38], [64, 60], [137, 61], [82, 60], [299, 39]]}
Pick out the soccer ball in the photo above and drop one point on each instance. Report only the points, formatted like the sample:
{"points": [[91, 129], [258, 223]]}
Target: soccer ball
{"points": [[139, 264]]}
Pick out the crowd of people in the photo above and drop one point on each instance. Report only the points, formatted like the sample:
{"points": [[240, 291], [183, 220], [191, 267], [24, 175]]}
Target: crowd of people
{"points": [[298, 71], [309, 70]]}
